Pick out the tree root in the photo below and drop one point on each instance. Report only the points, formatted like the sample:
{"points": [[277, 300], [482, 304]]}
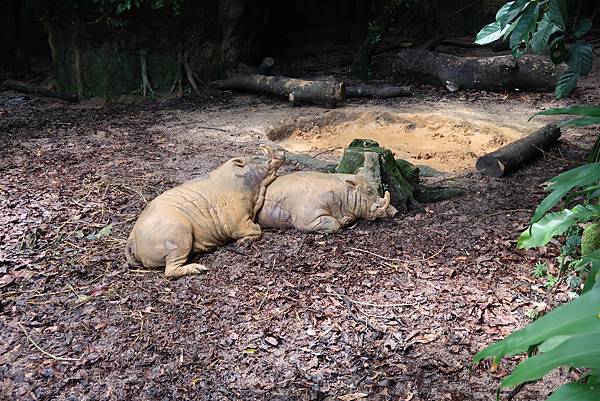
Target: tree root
{"points": [[189, 73], [183, 65], [177, 83], [145, 81]]}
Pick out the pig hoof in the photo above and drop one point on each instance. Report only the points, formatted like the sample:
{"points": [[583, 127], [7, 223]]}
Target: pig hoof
{"points": [[195, 268], [246, 241], [180, 271]]}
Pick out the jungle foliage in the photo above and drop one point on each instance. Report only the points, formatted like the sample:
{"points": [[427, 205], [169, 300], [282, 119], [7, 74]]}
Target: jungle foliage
{"points": [[569, 335], [545, 27]]}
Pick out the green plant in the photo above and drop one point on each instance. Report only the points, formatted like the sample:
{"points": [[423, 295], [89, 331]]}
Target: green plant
{"points": [[569, 335], [544, 226], [551, 280], [539, 269], [544, 27]]}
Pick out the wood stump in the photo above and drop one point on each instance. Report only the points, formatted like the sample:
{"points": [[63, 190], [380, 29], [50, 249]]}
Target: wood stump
{"points": [[401, 184]]}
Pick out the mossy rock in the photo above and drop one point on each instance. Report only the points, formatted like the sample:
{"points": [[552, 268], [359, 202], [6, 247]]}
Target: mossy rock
{"points": [[393, 179], [590, 239]]}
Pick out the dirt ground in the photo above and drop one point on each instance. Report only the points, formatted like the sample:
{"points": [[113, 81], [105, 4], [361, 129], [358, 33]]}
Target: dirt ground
{"points": [[390, 310]]}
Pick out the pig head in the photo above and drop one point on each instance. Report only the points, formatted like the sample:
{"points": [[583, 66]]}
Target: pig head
{"points": [[202, 214], [320, 202]]}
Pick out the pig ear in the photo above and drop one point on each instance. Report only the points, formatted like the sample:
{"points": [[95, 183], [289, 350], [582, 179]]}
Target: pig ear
{"points": [[238, 162], [351, 183]]}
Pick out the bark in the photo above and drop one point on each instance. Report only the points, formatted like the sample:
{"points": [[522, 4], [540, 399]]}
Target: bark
{"points": [[380, 92], [389, 177], [36, 90], [491, 73], [513, 156], [327, 93], [361, 67]]}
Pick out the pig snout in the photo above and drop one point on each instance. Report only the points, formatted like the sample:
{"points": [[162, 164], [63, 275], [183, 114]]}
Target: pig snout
{"points": [[275, 159], [382, 207]]}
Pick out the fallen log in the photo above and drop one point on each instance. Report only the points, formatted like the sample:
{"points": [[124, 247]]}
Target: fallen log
{"points": [[380, 92], [36, 90], [491, 73], [327, 93], [513, 156]]}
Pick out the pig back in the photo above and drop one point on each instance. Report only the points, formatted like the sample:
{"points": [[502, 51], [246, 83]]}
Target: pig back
{"points": [[293, 199], [212, 207]]}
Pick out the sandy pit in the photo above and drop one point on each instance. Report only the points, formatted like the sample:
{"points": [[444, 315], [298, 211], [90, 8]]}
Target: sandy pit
{"points": [[445, 140]]}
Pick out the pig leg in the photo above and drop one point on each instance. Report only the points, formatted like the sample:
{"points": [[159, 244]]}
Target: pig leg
{"points": [[248, 231], [323, 224], [178, 252]]}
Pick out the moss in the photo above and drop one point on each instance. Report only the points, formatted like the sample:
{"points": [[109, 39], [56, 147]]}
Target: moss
{"points": [[590, 239], [402, 190]]}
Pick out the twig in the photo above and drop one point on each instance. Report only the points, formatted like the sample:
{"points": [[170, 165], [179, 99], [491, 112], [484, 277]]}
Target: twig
{"points": [[507, 211], [58, 358], [332, 292], [464, 8], [374, 254], [213, 128], [348, 304], [400, 260], [515, 391]]}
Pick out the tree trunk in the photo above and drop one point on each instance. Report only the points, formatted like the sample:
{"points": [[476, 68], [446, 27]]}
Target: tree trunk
{"points": [[513, 156], [491, 73], [379, 92], [328, 93], [361, 67]]}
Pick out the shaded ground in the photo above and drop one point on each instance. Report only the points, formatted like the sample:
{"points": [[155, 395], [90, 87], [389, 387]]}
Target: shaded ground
{"points": [[286, 320]]}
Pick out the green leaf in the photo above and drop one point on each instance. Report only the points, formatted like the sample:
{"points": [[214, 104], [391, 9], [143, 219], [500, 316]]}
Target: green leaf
{"points": [[503, 11], [592, 279], [552, 343], [489, 33], [566, 83], [545, 28], [103, 232], [592, 258], [557, 10], [582, 27], [590, 111], [511, 12], [581, 351], [510, 28], [557, 223], [558, 50], [576, 392], [577, 317], [523, 29], [580, 57], [581, 122], [564, 183]]}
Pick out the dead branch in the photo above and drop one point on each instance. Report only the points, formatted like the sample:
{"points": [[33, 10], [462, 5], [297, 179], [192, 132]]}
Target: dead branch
{"points": [[58, 358]]}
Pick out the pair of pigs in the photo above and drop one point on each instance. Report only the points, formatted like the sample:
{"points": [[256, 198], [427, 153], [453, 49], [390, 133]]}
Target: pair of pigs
{"points": [[227, 204]]}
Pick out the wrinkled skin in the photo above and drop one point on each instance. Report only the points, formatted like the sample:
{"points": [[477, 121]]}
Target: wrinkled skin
{"points": [[201, 215], [320, 202]]}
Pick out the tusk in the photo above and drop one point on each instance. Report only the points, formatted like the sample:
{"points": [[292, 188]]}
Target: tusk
{"points": [[267, 149], [386, 200]]}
